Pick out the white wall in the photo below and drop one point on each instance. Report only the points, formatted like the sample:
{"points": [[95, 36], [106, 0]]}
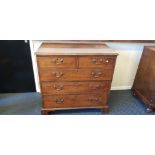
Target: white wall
{"points": [[34, 45], [126, 65]]}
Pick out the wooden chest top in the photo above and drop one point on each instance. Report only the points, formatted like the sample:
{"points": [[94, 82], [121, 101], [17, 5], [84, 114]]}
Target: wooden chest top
{"points": [[74, 49]]}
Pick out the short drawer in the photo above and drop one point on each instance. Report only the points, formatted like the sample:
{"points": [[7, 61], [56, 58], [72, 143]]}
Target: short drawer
{"points": [[74, 87], [75, 74], [56, 61], [106, 62], [71, 101]]}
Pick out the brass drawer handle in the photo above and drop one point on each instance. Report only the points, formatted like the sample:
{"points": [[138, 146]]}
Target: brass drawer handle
{"points": [[95, 86], [58, 61], [58, 87], [97, 61], [59, 101], [58, 74], [108, 60], [96, 74], [61, 87], [93, 100]]}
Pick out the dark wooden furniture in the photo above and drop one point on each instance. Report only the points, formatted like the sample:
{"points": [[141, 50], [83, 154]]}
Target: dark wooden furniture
{"points": [[74, 76], [144, 84]]}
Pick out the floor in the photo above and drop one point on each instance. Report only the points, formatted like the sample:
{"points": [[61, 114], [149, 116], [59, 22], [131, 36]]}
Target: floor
{"points": [[121, 103]]}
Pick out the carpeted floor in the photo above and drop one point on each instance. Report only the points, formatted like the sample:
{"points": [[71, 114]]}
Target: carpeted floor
{"points": [[121, 103]]}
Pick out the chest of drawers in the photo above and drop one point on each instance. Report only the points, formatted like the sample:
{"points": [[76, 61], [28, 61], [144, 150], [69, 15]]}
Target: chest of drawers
{"points": [[74, 76]]}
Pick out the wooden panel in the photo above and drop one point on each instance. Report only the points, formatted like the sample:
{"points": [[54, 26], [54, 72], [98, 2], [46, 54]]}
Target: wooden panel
{"points": [[75, 74], [70, 101], [74, 87], [145, 77], [106, 62], [57, 61]]}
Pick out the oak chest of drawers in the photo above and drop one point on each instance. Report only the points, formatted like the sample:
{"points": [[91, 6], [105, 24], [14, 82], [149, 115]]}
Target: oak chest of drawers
{"points": [[74, 76]]}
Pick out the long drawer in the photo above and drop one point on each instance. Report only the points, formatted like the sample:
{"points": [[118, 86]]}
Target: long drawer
{"points": [[74, 87], [69, 101], [106, 62], [75, 74]]}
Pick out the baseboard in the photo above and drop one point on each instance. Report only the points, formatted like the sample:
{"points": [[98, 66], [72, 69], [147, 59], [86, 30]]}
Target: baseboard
{"points": [[121, 88]]}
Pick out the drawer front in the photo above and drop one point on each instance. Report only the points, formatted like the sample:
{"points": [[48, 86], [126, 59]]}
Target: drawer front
{"points": [[106, 62], [70, 101], [56, 61], [74, 87], [75, 74]]}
